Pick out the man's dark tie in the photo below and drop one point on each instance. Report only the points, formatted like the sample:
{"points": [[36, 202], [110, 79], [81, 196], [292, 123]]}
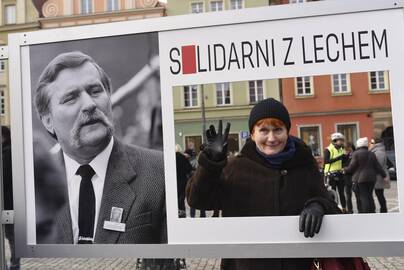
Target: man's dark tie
{"points": [[86, 205]]}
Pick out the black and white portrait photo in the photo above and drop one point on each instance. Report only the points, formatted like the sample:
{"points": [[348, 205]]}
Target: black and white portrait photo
{"points": [[97, 141]]}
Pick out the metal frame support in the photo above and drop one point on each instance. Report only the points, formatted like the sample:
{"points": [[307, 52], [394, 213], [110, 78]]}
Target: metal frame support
{"points": [[7, 217], [3, 52], [3, 262]]}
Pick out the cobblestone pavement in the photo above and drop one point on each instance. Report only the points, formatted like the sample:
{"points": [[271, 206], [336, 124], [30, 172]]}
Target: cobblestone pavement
{"points": [[391, 263], [391, 196], [383, 263], [379, 263]]}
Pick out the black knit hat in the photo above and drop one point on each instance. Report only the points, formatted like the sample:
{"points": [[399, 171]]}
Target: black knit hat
{"points": [[269, 108]]}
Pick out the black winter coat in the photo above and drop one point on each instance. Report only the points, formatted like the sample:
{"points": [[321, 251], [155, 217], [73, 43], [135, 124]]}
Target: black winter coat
{"points": [[247, 185], [364, 166], [184, 170]]}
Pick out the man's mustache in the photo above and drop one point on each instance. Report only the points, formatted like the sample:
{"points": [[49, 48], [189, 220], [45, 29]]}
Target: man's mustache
{"points": [[88, 118]]}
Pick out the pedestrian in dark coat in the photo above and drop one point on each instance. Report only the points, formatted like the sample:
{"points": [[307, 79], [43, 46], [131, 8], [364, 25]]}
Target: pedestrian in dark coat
{"points": [[364, 168], [184, 171], [274, 175], [377, 147], [349, 149]]}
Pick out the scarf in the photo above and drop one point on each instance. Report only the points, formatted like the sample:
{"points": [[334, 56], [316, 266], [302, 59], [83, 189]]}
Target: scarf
{"points": [[277, 160]]}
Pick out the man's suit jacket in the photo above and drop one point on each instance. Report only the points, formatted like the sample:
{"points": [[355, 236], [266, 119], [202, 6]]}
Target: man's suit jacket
{"points": [[134, 182]]}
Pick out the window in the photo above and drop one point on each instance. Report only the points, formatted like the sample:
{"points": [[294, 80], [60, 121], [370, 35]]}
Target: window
{"points": [[216, 6], [86, 6], [223, 94], [350, 132], [2, 65], [112, 5], [236, 4], [379, 80], [304, 86], [2, 103], [191, 96], [197, 7], [312, 137], [256, 90], [340, 84], [296, 1], [10, 16]]}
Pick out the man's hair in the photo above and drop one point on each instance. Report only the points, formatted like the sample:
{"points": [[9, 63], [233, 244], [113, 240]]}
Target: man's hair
{"points": [[52, 70]]}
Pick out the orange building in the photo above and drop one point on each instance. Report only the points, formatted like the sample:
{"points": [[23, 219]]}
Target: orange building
{"points": [[357, 105]]}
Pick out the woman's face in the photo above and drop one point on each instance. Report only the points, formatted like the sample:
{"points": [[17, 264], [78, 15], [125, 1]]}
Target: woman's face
{"points": [[270, 139]]}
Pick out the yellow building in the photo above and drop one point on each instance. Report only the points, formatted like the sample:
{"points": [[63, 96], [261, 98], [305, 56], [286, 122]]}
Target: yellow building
{"points": [[15, 16]]}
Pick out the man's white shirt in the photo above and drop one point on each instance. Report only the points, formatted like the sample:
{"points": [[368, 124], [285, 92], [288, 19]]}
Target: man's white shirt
{"points": [[99, 165]]}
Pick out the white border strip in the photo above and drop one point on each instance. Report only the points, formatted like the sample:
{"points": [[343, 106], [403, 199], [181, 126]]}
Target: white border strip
{"points": [[280, 12]]}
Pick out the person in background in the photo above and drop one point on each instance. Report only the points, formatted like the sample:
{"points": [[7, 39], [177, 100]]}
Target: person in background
{"points": [[274, 175], [364, 167], [333, 156], [184, 171], [191, 155], [8, 193], [349, 148], [378, 148]]}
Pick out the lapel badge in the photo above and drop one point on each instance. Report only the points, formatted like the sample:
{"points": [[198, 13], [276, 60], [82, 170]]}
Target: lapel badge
{"points": [[116, 214], [114, 222]]}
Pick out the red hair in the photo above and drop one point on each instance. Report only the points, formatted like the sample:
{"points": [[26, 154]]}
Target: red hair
{"points": [[269, 121]]}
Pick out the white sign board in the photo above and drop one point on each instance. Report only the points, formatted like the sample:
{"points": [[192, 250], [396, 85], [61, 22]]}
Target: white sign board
{"points": [[146, 61]]}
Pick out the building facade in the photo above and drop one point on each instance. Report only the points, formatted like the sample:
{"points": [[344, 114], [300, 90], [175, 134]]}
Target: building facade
{"points": [[230, 102], [15, 16], [180, 7], [63, 13], [356, 104]]}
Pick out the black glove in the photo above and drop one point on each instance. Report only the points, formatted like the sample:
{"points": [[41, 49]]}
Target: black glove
{"points": [[311, 219], [216, 143]]}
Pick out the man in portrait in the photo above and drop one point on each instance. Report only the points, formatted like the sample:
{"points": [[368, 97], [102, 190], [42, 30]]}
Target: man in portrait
{"points": [[100, 173]]}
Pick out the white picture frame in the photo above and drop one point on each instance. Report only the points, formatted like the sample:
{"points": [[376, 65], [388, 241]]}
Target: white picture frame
{"points": [[341, 235]]}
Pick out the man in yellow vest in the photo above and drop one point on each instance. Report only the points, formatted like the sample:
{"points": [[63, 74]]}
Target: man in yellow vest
{"points": [[333, 156]]}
